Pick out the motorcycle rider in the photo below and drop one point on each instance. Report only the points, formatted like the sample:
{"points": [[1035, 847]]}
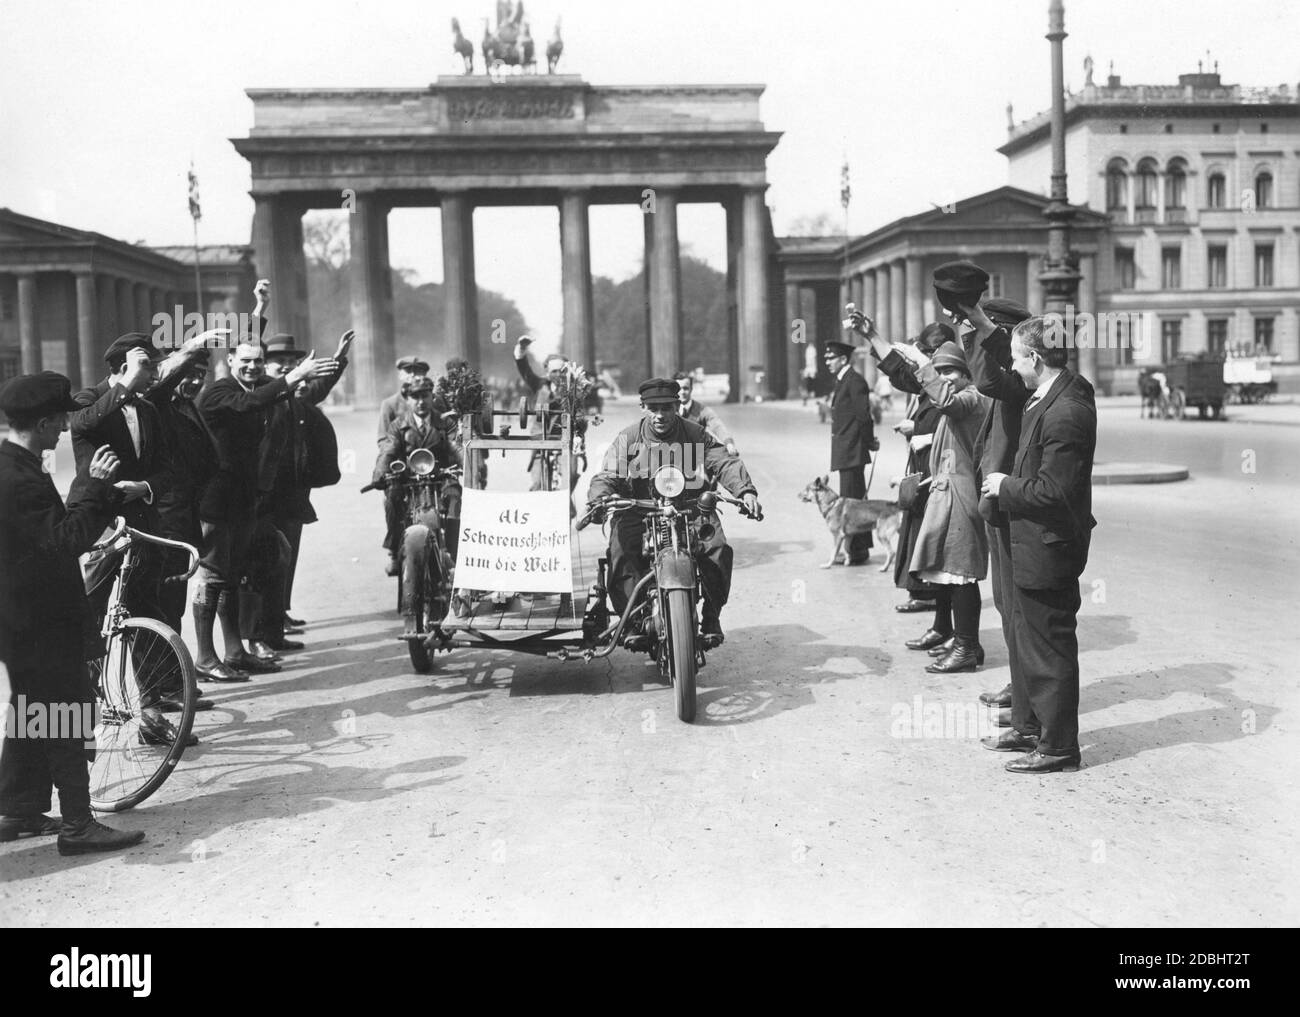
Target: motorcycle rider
{"points": [[662, 436], [416, 427]]}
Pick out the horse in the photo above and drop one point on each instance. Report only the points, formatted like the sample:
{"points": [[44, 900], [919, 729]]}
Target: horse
{"points": [[462, 46], [553, 49], [526, 48]]}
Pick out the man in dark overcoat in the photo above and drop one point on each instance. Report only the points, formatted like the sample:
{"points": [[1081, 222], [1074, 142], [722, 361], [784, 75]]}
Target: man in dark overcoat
{"points": [[853, 437]]}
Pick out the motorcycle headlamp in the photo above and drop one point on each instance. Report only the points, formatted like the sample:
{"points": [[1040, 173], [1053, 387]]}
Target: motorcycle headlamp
{"points": [[421, 462], [670, 481]]}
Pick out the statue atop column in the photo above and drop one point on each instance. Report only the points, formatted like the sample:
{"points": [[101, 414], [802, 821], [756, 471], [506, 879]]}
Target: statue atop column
{"points": [[511, 45]]}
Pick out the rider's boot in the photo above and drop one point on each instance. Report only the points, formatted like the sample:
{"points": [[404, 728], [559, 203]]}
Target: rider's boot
{"points": [[711, 627]]}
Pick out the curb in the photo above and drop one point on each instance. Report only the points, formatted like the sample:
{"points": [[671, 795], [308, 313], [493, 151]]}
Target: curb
{"points": [[1137, 473]]}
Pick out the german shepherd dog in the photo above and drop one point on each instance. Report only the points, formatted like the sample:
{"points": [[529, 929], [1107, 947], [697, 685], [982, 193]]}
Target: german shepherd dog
{"points": [[847, 517]]}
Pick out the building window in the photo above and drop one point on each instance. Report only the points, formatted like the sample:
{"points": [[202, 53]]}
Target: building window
{"points": [[1171, 268], [1214, 128], [1175, 190], [995, 284], [1264, 189], [1263, 335], [1263, 264], [1125, 268], [1216, 267], [1215, 190], [1123, 128], [1169, 128], [1147, 182], [1171, 337], [1263, 128], [1117, 186], [1217, 336]]}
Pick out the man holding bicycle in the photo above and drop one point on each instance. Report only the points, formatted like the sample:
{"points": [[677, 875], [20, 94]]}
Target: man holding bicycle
{"points": [[45, 621]]}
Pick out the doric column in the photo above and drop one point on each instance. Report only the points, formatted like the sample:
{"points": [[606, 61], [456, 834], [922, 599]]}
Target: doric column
{"points": [[125, 308], [732, 208], [579, 340], [87, 323], [1088, 302], [1033, 285], [665, 280], [915, 297], [855, 290], [143, 310], [884, 320], [898, 299], [868, 305], [371, 286], [753, 270], [279, 257], [794, 313], [458, 276], [29, 329]]}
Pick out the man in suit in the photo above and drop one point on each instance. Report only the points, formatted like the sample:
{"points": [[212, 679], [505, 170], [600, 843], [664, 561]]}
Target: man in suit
{"points": [[234, 409], [113, 413], [988, 349], [852, 435], [1047, 498], [46, 626], [408, 369]]}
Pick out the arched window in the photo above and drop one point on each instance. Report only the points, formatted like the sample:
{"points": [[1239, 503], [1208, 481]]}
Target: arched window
{"points": [[1263, 189], [1117, 186], [1147, 181], [1176, 184], [1216, 189]]}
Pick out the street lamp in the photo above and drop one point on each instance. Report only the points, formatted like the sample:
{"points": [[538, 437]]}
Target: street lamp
{"points": [[1060, 273]]}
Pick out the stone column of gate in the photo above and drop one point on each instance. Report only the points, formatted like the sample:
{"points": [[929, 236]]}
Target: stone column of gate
{"points": [[915, 297], [579, 339], [797, 335], [898, 299], [87, 323], [665, 284], [371, 285], [753, 291], [884, 320], [29, 333], [460, 288], [278, 254]]}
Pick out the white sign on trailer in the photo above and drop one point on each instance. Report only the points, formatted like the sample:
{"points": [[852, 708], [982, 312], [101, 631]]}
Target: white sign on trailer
{"points": [[514, 541]]}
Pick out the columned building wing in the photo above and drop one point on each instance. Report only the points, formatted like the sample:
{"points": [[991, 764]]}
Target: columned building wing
{"points": [[464, 143]]}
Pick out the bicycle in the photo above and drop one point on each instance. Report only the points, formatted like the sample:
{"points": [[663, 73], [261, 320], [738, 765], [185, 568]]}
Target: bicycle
{"points": [[144, 660]]}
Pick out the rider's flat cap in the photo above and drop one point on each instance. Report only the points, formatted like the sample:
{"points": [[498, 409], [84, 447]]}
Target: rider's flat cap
{"points": [[1005, 312], [659, 390], [416, 385], [282, 345], [35, 395], [413, 364], [120, 346]]}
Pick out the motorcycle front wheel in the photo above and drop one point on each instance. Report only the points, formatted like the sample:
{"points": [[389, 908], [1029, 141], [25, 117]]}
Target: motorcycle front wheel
{"points": [[681, 649]]}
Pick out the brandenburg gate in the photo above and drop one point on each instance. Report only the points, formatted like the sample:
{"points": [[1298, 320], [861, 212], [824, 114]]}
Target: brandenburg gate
{"points": [[467, 142]]}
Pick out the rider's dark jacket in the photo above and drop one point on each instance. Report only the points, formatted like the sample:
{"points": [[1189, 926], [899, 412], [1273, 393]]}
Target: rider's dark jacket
{"points": [[408, 433], [636, 451]]}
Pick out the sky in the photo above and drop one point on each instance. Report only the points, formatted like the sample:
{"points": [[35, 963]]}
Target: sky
{"points": [[103, 105]]}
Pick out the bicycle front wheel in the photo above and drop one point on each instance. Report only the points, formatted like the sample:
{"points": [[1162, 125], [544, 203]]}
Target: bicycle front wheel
{"points": [[145, 661]]}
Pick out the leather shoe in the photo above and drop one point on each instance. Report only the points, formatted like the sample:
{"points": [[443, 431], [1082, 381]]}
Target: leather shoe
{"points": [[914, 606], [293, 622], [1011, 741], [260, 649], [928, 641], [13, 827], [943, 649], [253, 665], [965, 655], [177, 705], [1037, 762], [88, 836], [1002, 698], [711, 632], [287, 645], [220, 672], [158, 730]]}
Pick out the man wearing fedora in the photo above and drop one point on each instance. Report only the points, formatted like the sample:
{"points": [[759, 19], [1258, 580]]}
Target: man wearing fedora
{"points": [[853, 437], [114, 413], [47, 629], [284, 479], [1047, 498], [394, 406]]}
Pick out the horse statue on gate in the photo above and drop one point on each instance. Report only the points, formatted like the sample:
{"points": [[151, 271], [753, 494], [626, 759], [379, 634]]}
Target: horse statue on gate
{"points": [[462, 46], [506, 46]]}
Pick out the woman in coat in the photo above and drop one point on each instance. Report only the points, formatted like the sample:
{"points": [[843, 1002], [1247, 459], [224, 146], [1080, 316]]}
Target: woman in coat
{"points": [[951, 552]]}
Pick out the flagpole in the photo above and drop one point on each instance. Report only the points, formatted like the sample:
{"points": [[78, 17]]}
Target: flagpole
{"points": [[198, 278]]}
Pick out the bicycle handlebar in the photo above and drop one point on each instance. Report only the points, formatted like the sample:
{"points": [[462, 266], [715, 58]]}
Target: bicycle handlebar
{"points": [[133, 535]]}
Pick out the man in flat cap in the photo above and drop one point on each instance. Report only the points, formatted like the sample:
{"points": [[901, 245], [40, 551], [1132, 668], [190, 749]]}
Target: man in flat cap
{"points": [[988, 349], [234, 409], [417, 428], [408, 369], [853, 436], [46, 627], [662, 436], [114, 413]]}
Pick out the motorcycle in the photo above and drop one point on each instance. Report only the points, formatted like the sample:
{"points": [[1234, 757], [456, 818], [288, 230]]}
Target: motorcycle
{"points": [[666, 601], [424, 585]]}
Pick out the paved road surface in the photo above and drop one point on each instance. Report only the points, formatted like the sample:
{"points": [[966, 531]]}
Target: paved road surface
{"points": [[510, 789]]}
